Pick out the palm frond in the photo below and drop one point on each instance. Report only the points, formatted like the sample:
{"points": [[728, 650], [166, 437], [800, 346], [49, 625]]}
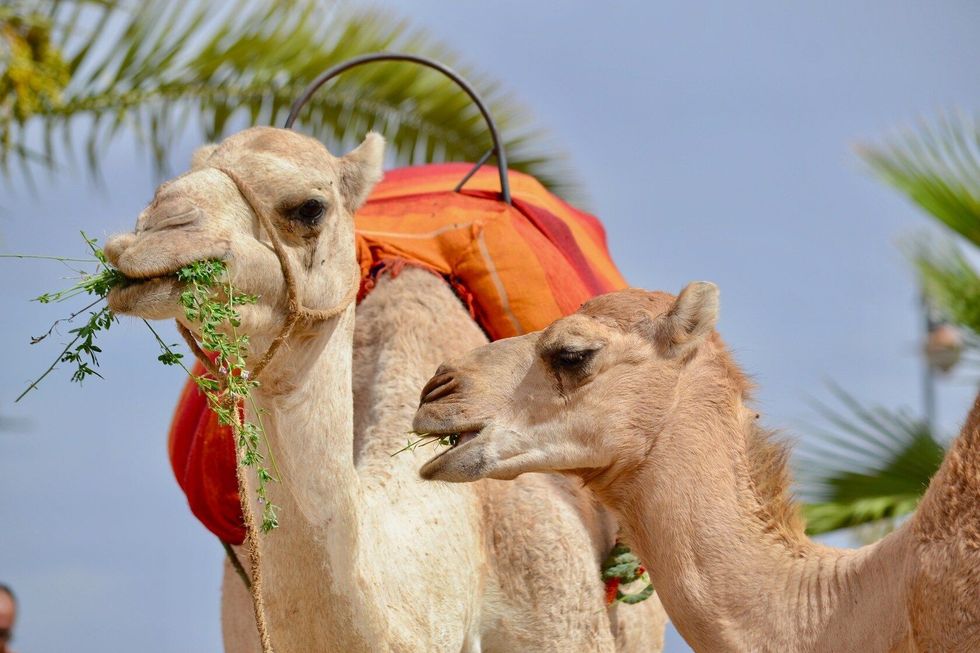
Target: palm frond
{"points": [[834, 515], [951, 283], [872, 464], [937, 165], [153, 67]]}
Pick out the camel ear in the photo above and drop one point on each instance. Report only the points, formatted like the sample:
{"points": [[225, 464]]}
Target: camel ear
{"points": [[689, 322], [201, 155], [360, 170]]}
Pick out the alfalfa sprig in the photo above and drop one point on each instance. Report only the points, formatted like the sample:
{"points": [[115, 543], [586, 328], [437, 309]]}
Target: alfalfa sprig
{"points": [[423, 439], [81, 352], [216, 317], [207, 300]]}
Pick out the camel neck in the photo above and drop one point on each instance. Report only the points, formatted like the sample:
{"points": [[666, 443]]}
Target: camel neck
{"points": [[730, 579], [309, 422]]}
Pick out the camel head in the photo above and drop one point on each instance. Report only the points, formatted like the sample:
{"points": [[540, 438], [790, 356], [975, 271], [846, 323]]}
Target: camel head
{"points": [[587, 394], [308, 195]]}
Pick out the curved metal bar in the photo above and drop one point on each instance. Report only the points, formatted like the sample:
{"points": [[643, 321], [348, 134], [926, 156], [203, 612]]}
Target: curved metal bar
{"points": [[498, 146]]}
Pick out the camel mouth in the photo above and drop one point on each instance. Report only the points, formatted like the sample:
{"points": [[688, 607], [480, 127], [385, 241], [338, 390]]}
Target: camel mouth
{"points": [[135, 281], [150, 294], [147, 271], [459, 441], [455, 439], [145, 297]]}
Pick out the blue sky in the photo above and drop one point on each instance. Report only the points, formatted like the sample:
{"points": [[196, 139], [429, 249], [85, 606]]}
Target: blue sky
{"points": [[715, 142]]}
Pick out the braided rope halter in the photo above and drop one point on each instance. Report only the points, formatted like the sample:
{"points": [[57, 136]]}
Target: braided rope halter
{"points": [[295, 313]]}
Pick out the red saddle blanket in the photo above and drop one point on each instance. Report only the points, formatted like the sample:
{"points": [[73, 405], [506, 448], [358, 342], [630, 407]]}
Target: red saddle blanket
{"points": [[518, 268]]}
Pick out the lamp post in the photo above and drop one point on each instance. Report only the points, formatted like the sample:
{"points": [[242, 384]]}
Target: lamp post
{"points": [[941, 351]]}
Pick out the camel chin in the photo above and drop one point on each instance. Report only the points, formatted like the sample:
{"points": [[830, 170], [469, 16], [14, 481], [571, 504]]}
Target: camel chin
{"points": [[151, 299]]}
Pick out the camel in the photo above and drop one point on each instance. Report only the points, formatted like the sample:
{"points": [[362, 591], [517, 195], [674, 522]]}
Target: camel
{"points": [[637, 397], [367, 556]]}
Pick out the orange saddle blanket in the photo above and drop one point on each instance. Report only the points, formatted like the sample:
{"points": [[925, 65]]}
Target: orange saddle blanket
{"points": [[518, 268]]}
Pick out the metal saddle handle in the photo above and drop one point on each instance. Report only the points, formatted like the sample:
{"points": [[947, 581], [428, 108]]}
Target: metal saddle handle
{"points": [[498, 146]]}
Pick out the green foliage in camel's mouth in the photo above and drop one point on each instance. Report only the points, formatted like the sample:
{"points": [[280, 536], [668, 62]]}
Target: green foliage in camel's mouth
{"points": [[423, 439], [451, 439], [210, 303]]}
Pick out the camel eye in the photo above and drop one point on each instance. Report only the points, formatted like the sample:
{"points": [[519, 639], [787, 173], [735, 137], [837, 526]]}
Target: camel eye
{"points": [[309, 211], [570, 359]]}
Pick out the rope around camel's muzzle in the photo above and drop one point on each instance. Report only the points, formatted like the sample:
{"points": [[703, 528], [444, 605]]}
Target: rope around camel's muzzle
{"points": [[295, 312]]}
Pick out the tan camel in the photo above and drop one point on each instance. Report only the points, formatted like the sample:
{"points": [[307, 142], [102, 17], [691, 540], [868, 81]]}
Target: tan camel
{"points": [[637, 396], [368, 557]]}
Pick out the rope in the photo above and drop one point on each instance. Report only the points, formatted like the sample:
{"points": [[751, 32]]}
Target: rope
{"points": [[295, 311], [254, 555]]}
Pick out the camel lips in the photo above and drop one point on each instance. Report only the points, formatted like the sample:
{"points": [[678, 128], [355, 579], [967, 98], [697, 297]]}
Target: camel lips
{"points": [[453, 440], [457, 439]]}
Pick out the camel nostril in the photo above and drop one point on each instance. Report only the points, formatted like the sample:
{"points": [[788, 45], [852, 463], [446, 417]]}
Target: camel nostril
{"points": [[438, 387]]}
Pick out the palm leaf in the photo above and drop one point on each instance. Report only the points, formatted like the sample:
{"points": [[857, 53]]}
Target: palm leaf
{"points": [[937, 166], [951, 283], [875, 464], [872, 464], [152, 67]]}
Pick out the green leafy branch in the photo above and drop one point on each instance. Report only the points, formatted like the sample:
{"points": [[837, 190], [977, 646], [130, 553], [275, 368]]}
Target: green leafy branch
{"points": [[81, 351], [233, 387], [876, 463], [937, 167], [206, 301]]}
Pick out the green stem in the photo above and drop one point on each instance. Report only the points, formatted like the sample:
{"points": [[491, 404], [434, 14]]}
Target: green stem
{"points": [[50, 369], [258, 416], [166, 347], [37, 339], [63, 259], [268, 447]]}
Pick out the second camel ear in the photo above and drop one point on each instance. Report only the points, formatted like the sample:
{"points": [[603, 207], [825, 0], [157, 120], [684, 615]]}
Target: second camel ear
{"points": [[689, 322]]}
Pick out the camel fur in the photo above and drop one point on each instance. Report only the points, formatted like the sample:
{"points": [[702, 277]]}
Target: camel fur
{"points": [[637, 396]]}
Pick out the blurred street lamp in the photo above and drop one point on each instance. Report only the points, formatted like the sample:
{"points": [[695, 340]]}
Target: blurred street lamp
{"points": [[942, 349], [944, 345]]}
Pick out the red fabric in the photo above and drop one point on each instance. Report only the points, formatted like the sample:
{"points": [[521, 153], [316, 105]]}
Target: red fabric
{"points": [[517, 268], [202, 455]]}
